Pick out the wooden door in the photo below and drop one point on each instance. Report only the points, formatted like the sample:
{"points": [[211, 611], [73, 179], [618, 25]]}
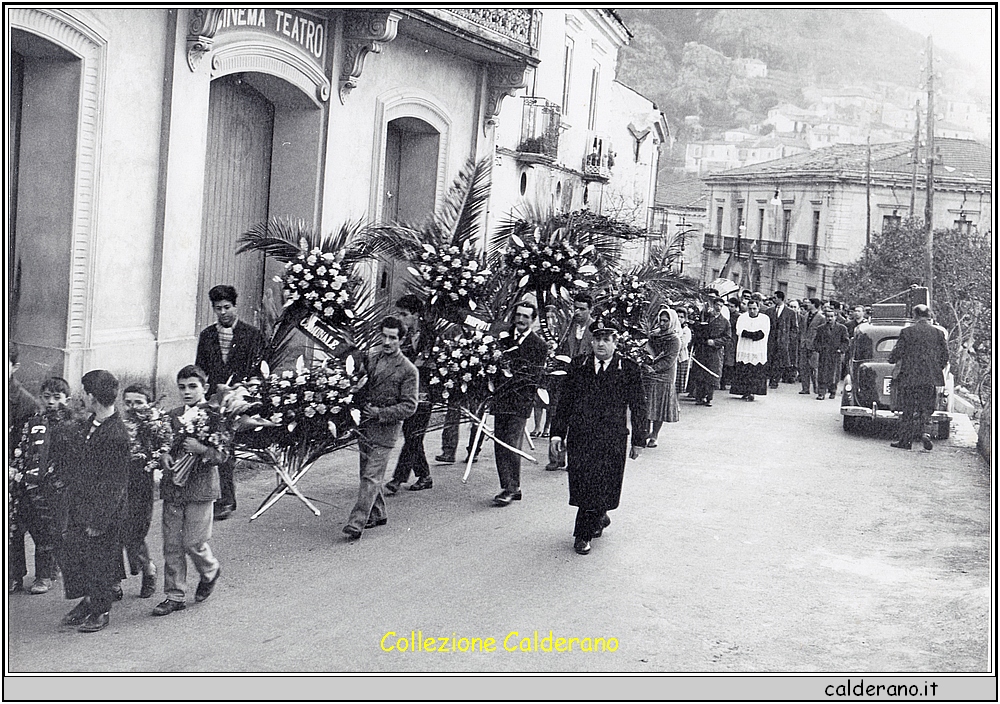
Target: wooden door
{"points": [[237, 184]]}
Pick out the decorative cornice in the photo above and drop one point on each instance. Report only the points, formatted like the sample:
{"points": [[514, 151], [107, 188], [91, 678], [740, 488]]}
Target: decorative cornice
{"points": [[268, 58], [502, 80], [365, 32], [201, 35]]}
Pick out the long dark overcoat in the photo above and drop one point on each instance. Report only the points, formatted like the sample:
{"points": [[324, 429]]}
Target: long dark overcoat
{"points": [[717, 329], [96, 498], [591, 417], [784, 328], [516, 395]]}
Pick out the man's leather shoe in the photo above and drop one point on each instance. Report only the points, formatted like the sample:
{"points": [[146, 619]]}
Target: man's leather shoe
{"points": [[581, 546], [118, 593], [95, 622], [833, 394], [78, 614], [803, 392], [553, 467], [605, 522], [422, 483], [167, 607], [374, 524], [445, 459], [223, 512], [352, 532], [474, 459], [148, 587], [391, 487], [901, 445], [926, 440], [205, 587], [505, 497]]}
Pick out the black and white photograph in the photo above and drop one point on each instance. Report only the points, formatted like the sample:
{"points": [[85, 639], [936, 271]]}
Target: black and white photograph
{"points": [[513, 352]]}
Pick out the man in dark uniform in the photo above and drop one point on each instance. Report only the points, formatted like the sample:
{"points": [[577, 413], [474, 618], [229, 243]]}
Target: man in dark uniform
{"points": [[922, 353], [513, 400], [228, 350], [91, 551], [599, 392]]}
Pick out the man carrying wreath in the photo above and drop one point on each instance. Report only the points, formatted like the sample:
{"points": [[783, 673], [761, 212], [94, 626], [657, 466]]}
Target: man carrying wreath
{"points": [[598, 394], [390, 398], [513, 401]]}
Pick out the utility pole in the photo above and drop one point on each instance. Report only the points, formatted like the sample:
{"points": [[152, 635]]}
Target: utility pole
{"points": [[868, 196], [916, 160], [929, 207]]}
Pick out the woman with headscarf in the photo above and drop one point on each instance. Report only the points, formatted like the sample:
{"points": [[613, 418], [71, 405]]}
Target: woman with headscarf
{"points": [[752, 330], [660, 379]]}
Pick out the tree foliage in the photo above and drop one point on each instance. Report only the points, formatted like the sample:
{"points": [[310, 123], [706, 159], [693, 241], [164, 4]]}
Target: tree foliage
{"points": [[962, 286]]}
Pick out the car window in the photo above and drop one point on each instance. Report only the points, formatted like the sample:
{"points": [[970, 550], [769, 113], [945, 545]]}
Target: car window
{"points": [[886, 344]]}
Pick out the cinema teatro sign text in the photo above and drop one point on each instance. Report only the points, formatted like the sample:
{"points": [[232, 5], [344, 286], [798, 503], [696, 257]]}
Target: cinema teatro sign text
{"points": [[306, 32]]}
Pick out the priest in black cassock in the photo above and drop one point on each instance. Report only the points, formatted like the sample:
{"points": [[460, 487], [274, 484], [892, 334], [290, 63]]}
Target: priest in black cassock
{"points": [[598, 394]]}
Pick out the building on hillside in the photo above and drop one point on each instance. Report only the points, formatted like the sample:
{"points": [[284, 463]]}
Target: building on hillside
{"points": [[145, 141], [680, 212], [575, 138], [789, 119], [712, 156], [750, 68], [805, 215]]}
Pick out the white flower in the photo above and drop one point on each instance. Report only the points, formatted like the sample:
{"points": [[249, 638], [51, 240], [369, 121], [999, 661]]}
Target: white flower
{"points": [[275, 418], [310, 411], [311, 260], [276, 400], [321, 408], [308, 395], [297, 268]]}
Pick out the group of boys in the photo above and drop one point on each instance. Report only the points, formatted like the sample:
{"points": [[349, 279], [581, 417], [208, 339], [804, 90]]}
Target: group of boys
{"points": [[82, 484]]}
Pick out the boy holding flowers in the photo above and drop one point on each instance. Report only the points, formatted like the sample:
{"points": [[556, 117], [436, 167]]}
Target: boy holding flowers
{"points": [[189, 488]]}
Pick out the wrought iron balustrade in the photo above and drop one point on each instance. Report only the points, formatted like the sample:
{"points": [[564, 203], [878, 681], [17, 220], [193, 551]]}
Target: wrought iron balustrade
{"points": [[540, 120], [514, 23]]}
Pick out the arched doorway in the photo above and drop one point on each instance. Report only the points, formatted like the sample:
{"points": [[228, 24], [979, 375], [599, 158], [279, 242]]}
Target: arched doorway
{"points": [[410, 179], [42, 180]]}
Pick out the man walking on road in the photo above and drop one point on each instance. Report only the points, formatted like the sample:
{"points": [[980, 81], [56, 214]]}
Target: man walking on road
{"points": [[808, 356], [391, 398], [598, 394], [922, 354], [513, 400]]}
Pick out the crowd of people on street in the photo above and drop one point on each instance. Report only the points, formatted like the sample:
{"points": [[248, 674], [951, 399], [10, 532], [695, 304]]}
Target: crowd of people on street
{"points": [[82, 481]]}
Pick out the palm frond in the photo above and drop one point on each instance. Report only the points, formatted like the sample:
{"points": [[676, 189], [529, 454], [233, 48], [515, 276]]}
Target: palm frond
{"points": [[280, 238], [461, 211]]}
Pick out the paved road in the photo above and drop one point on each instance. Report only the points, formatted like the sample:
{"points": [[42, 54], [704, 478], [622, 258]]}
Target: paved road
{"points": [[758, 537]]}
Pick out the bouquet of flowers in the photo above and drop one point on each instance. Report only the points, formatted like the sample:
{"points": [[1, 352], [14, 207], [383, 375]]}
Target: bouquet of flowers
{"points": [[464, 369], [451, 274], [205, 426], [553, 265], [150, 435], [630, 298], [318, 280], [309, 401], [633, 345]]}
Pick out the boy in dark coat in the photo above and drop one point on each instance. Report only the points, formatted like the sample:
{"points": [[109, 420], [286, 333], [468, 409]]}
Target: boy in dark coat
{"points": [[38, 475], [96, 494], [599, 393]]}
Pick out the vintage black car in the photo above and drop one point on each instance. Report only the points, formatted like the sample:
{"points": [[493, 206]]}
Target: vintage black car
{"points": [[867, 397]]}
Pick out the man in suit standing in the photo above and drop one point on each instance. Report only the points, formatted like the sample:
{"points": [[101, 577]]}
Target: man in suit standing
{"points": [[390, 398], [810, 322], [709, 338], [513, 400], [599, 393], [784, 322], [922, 354], [228, 352]]}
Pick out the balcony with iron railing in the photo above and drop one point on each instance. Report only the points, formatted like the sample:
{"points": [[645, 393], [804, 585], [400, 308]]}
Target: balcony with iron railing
{"points": [[771, 249], [540, 121], [599, 160], [713, 242], [806, 254], [496, 35]]}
